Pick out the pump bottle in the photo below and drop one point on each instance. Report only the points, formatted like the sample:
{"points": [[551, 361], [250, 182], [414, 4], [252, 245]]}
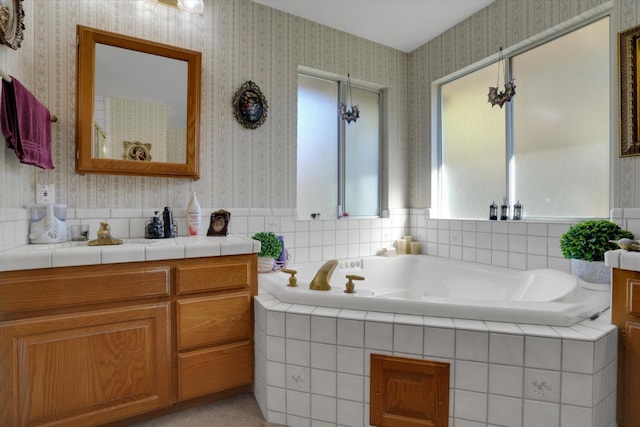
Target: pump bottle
{"points": [[193, 216]]}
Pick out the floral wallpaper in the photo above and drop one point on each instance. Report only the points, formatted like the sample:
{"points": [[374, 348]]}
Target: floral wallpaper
{"points": [[241, 41]]}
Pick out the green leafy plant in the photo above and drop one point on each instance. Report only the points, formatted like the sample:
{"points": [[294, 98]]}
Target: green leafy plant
{"points": [[589, 240], [270, 244]]}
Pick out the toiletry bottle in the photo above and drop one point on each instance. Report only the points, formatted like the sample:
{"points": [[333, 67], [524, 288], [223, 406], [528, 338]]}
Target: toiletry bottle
{"points": [[167, 222], [193, 216]]}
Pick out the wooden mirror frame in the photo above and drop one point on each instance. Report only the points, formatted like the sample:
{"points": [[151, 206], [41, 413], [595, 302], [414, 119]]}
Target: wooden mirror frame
{"points": [[629, 79], [85, 162]]}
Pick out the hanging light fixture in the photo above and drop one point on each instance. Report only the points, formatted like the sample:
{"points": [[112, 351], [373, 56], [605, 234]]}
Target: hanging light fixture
{"points": [[497, 97], [352, 114], [190, 6]]}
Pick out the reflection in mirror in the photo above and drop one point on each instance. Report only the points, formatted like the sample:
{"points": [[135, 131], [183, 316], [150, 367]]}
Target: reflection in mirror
{"points": [[138, 106], [132, 104]]}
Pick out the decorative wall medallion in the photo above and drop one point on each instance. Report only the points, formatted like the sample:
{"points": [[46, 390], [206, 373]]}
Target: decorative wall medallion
{"points": [[249, 105], [137, 151], [12, 24]]}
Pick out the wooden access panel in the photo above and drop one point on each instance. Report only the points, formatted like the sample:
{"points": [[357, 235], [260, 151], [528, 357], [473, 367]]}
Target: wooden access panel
{"points": [[408, 392]]}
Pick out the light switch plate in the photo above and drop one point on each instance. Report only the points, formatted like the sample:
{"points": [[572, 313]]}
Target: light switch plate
{"points": [[44, 193]]}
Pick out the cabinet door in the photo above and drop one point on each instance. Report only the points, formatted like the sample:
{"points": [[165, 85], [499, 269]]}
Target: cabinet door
{"points": [[85, 368], [625, 314], [632, 373]]}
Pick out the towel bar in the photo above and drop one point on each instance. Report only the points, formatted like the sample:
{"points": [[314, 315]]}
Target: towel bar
{"points": [[7, 77]]}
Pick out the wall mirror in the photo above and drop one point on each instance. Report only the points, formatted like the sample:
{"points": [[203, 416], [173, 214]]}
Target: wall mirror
{"points": [[136, 93]]}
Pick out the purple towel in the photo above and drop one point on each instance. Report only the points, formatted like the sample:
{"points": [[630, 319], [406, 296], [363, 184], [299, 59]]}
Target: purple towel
{"points": [[26, 125]]}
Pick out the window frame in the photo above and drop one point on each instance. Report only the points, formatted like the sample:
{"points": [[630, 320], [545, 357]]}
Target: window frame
{"points": [[560, 30], [341, 163]]}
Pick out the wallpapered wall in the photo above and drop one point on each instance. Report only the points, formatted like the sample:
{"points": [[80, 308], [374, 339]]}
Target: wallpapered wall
{"points": [[243, 41], [239, 41]]}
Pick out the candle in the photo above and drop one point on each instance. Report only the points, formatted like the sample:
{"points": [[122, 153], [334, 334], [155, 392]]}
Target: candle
{"points": [[402, 246]]}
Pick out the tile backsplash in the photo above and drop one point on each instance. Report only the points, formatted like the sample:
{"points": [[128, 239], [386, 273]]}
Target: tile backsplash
{"points": [[516, 244]]}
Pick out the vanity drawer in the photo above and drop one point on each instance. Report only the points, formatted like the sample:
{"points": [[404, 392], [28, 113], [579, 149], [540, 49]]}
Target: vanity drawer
{"points": [[32, 290], [209, 371], [217, 274], [212, 320]]}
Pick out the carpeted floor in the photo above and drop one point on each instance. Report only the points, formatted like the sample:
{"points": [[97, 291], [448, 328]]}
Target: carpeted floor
{"points": [[237, 411]]}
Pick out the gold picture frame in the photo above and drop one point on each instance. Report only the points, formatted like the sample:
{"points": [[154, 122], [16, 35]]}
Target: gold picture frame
{"points": [[628, 48]]}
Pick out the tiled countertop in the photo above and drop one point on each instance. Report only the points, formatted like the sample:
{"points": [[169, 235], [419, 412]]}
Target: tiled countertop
{"points": [[68, 254], [626, 260]]}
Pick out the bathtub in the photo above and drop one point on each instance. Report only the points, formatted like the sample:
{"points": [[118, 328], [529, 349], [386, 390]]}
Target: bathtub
{"points": [[431, 286]]}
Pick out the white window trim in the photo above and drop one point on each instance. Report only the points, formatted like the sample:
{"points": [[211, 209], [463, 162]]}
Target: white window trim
{"points": [[565, 27]]}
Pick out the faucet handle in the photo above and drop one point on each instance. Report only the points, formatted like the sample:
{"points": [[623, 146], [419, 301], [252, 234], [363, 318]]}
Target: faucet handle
{"points": [[350, 285], [293, 280]]}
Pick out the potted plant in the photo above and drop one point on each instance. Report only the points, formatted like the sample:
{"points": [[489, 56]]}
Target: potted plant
{"points": [[270, 248], [585, 244]]}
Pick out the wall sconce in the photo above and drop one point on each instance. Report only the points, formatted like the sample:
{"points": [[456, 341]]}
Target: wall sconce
{"points": [[190, 6]]}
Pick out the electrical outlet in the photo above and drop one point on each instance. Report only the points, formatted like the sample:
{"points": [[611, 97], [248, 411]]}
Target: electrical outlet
{"points": [[44, 193]]}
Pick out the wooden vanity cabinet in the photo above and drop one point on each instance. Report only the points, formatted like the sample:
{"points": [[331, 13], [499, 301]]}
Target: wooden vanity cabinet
{"points": [[214, 319], [626, 316], [96, 344]]}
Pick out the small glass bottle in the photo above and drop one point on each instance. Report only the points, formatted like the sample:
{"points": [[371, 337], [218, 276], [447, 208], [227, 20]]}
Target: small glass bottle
{"points": [[504, 210], [493, 211], [517, 211]]}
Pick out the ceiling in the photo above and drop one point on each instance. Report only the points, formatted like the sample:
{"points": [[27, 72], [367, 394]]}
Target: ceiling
{"points": [[401, 24]]}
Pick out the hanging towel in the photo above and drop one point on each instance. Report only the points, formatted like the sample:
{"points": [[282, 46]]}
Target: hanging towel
{"points": [[26, 125]]}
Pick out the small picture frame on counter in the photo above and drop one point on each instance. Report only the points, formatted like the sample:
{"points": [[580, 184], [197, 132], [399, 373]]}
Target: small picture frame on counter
{"points": [[219, 223]]}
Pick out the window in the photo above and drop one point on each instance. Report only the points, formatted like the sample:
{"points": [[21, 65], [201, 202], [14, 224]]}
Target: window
{"points": [[338, 163], [549, 148]]}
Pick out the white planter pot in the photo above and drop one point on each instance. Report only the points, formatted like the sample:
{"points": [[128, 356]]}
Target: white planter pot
{"points": [[265, 264], [591, 271]]}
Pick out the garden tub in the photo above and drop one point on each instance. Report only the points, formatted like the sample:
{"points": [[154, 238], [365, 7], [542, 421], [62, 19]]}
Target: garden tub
{"points": [[431, 286]]}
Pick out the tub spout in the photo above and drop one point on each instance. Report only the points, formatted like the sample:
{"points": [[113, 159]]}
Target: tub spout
{"points": [[320, 281]]}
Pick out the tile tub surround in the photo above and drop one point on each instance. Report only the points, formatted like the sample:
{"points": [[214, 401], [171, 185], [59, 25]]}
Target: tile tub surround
{"points": [[312, 366]]}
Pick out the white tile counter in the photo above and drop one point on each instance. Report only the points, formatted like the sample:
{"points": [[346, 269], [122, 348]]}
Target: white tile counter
{"points": [[70, 253], [623, 259]]}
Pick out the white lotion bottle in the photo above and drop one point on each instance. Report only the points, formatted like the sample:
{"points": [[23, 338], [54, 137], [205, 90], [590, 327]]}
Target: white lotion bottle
{"points": [[193, 216]]}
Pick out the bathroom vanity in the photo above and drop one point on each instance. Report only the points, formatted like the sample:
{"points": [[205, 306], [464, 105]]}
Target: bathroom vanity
{"points": [[93, 344]]}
